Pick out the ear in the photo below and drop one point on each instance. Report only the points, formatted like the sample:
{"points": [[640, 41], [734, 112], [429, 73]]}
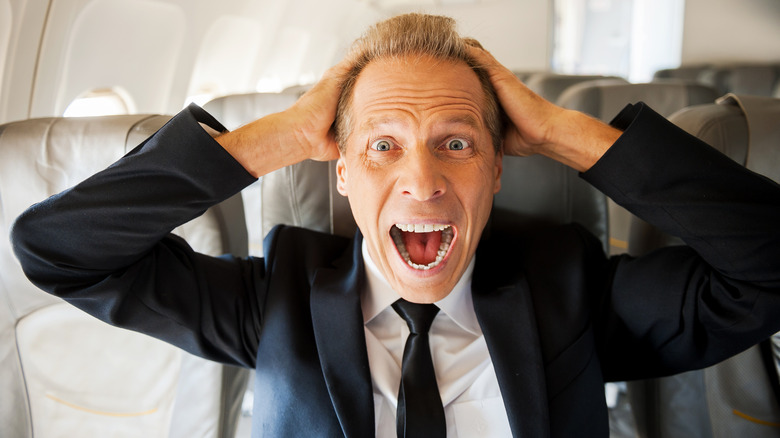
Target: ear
{"points": [[341, 175], [498, 169]]}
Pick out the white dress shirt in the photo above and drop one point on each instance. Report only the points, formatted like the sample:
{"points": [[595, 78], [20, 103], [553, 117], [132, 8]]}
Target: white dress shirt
{"points": [[467, 381]]}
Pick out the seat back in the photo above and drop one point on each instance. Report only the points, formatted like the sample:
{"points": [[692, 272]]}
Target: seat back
{"points": [[742, 79], [604, 101], [738, 397], [687, 73], [238, 109], [64, 373], [551, 85], [297, 90]]}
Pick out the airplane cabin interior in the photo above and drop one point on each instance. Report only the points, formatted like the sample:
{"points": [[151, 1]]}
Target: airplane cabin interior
{"points": [[82, 82]]}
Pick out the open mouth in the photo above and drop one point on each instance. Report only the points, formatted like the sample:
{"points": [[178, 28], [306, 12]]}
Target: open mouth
{"points": [[422, 246]]}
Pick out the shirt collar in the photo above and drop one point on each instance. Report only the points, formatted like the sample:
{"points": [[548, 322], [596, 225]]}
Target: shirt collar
{"points": [[378, 296]]}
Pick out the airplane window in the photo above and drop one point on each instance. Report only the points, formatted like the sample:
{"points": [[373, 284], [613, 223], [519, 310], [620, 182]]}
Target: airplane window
{"points": [[631, 39], [100, 102]]}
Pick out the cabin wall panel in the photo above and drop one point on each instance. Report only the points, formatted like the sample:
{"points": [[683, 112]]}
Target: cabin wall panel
{"points": [[27, 18], [313, 37], [5, 34], [130, 44], [226, 57], [731, 31]]}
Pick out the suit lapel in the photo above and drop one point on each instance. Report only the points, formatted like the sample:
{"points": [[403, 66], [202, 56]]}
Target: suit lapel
{"points": [[338, 329], [505, 312]]}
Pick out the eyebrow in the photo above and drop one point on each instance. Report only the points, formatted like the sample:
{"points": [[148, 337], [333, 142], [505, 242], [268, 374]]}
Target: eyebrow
{"points": [[463, 119], [460, 119], [372, 123]]}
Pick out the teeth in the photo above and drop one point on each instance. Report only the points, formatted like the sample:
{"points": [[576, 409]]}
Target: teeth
{"points": [[446, 239], [421, 228]]}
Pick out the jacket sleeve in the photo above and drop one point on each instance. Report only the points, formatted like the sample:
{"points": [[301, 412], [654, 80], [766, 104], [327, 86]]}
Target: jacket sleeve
{"points": [[104, 245], [687, 307]]}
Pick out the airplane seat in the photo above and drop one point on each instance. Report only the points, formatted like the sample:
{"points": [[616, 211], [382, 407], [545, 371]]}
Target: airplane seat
{"points": [[297, 90], [238, 109], [604, 101], [551, 85], [67, 374], [742, 79], [740, 396], [688, 73]]}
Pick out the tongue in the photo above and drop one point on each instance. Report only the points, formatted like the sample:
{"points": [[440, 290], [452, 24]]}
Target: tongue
{"points": [[422, 247]]}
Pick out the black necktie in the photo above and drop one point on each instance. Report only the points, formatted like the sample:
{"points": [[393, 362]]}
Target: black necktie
{"points": [[420, 412]]}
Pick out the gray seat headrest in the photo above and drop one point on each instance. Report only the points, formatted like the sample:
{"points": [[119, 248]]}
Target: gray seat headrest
{"points": [[758, 79], [237, 109], [551, 85], [604, 101], [762, 115]]}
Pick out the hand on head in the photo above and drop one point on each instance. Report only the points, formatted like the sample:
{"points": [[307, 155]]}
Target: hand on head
{"points": [[303, 131], [531, 118], [315, 112], [537, 126]]}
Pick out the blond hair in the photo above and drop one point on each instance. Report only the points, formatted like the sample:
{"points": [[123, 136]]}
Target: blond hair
{"points": [[414, 34]]}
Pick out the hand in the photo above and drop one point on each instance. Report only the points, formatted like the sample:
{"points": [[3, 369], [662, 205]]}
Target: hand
{"points": [[314, 113], [540, 127], [531, 117], [301, 132]]}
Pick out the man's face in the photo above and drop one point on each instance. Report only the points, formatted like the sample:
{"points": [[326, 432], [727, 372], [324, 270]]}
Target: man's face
{"points": [[420, 171]]}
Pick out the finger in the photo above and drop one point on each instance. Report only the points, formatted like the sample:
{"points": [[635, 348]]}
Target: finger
{"points": [[482, 56], [488, 62], [528, 113]]}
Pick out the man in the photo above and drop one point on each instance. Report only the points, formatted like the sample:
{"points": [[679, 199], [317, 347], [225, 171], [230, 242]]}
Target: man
{"points": [[532, 322]]}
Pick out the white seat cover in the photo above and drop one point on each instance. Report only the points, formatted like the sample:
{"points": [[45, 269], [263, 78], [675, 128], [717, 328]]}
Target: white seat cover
{"points": [[119, 399]]}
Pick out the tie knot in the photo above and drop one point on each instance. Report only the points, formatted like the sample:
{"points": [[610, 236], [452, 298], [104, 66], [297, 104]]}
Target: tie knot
{"points": [[418, 317]]}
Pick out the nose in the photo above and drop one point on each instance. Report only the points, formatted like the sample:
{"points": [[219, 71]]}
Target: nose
{"points": [[422, 176]]}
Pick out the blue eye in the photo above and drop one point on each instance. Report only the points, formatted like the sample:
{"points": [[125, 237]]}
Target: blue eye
{"points": [[456, 144], [381, 145]]}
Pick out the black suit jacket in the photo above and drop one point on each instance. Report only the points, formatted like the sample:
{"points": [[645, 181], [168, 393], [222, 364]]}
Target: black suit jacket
{"points": [[558, 316]]}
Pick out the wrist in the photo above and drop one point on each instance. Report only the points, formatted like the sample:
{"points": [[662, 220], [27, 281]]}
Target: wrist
{"points": [[264, 145], [578, 140]]}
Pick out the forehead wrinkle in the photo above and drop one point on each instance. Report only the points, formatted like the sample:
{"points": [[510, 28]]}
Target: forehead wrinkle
{"points": [[417, 96], [420, 99], [380, 112], [411, 97]]}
